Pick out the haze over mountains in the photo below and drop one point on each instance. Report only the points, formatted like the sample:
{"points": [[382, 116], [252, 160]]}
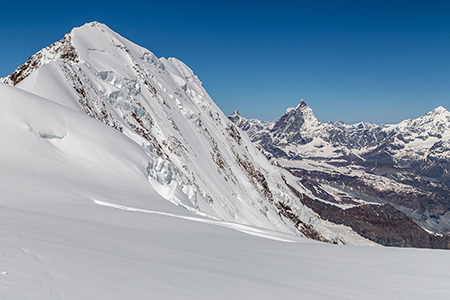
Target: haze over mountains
{"points": [[122, 179]]}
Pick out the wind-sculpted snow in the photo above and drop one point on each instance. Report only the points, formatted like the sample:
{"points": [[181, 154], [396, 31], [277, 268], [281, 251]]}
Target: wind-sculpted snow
{"points": [[50, 136], [272, 235]]}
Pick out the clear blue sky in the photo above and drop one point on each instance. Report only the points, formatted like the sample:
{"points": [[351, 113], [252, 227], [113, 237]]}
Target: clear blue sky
{"points": [[376, 61]]}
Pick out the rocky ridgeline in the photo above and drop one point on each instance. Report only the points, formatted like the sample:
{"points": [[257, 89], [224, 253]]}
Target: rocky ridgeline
{"points": [[197, 158], [405, 166]]}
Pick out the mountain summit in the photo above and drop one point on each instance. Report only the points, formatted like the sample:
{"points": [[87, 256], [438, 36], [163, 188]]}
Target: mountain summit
{"points": [[406, 164], [197, 158], [296, 125]]}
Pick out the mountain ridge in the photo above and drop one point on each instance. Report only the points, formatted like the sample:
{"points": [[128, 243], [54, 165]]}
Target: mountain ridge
{"points": [[405, 164], [340, 133], [199, 160]]}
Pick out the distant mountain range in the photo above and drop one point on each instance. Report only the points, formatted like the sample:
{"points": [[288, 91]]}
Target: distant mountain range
{"points": [[403, 166]]}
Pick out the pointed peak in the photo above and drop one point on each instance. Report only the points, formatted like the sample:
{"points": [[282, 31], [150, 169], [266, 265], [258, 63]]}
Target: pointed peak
{"points": [[235, 114], [439, 110], [302, 104], [92, 24], [236, 117], [300, 107]]}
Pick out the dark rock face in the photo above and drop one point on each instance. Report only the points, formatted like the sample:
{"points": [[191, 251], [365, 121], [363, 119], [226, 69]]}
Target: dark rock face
{"points": [[437, 201], [381, 223], [308, 230], [290, 123], [406, 165]]}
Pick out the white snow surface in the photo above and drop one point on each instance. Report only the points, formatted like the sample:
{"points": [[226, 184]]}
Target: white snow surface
{"points": [[79, 221], [87, 211], [193, 161]]}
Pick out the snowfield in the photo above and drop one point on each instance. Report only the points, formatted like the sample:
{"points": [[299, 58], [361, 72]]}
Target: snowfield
{"points": [[91, 212], [79, 220], [96, 252]]}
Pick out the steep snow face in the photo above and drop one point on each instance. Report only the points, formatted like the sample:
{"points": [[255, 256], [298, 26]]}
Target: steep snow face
{"points": [[200, 160], [80, 220], [54, 156]]}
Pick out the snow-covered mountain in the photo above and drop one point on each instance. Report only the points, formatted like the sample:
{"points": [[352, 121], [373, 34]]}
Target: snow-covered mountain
{"points": [[298, 134], [406, 164], [195, 157], [120, 178]]}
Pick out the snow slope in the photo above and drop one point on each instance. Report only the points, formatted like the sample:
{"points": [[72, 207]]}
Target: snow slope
{"points": [[200, 160], [87, 194], [81, 221]]}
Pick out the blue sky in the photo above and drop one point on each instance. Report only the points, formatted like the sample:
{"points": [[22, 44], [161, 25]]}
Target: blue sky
{"points": [[376, 61]]}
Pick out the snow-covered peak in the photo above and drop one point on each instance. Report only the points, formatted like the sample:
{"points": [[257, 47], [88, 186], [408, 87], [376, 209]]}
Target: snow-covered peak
{"points": [[113, 177], [198, 159], [102, 49], [439, 112], [307, 113], [434, 123], [302, 105], [235, 114], [298, 120]]}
